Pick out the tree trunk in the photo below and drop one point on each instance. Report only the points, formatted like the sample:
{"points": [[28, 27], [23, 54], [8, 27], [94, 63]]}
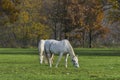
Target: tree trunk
{"points": [[90, 38], [60, 34], [65, 32], [55, 32], [83, 43]]}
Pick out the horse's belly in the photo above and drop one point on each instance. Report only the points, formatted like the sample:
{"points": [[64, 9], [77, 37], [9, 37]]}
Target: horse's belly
{"points": [[58, 50]]}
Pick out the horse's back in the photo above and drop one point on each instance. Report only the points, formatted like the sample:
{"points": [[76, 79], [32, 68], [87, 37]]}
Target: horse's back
{"points": [[56, 46]]}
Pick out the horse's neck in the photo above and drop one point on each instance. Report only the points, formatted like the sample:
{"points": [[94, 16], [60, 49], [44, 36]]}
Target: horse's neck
{"points": [[71, 51], [72, 54]]}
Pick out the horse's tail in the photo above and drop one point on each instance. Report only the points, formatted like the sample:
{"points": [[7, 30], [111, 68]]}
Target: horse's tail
{"points": [[41, 46]]}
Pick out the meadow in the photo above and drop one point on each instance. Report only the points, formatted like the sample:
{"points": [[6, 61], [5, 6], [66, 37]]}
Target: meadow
{"points": [[95, 64]]}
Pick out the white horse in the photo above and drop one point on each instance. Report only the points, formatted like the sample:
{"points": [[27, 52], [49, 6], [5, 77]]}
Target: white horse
{"points": [[60, 47]]}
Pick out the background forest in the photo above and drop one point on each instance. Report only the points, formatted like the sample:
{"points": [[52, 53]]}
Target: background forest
{"points": [[86, 23]]}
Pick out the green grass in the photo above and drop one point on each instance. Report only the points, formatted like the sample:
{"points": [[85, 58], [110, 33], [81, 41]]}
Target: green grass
{"points": [[95, 64]]}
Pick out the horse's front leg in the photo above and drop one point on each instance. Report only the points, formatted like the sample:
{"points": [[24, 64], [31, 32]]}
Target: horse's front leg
{"points": [[45, 58], [66, 58], [60, 56]]}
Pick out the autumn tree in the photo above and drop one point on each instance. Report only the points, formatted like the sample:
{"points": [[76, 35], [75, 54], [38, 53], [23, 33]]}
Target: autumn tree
{"points": [[9, 12], [87, 21], [112, 20], [30, 27], [52, 11], [23, 25], [9, 8], [78, 19], [83, 20], [60, 16]]}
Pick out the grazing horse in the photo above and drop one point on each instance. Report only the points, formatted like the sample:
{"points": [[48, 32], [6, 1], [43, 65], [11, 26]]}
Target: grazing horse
{"points": [[52, 47]]}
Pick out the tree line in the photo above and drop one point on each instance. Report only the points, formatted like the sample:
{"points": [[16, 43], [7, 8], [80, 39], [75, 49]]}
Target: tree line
{"points": [[24, 22]]}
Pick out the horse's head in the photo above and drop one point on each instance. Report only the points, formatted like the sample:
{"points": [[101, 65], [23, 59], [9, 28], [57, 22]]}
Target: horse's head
{"points": [[75, 61]]}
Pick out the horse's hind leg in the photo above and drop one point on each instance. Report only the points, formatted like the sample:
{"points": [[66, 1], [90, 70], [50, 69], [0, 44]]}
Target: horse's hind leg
{"points": [[52, 58], [49, 58]]}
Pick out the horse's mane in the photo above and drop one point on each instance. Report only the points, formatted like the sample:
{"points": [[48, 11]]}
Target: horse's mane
{"points": [[70, 49]]}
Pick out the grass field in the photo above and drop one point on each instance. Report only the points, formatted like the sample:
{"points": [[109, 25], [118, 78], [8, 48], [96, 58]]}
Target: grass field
{"points": [[95, 64]]}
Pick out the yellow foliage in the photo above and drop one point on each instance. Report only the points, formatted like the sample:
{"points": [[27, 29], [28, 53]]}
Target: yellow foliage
{"points": [[24, 17], [100, 17]]}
